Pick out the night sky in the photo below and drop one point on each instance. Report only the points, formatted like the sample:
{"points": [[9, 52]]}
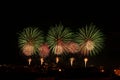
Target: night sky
{"points": [[106, 18]]}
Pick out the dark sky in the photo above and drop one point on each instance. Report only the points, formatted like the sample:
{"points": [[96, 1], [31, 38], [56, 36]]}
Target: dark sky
{"points": [[15, 19]]}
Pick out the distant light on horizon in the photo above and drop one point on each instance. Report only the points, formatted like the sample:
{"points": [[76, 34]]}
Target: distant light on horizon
{"points": [[60, 70], [117, 72]]}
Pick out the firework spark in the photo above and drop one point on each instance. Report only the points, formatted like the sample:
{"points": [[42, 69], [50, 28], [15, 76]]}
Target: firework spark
{"points": [[29, 40], [57, 38], [90, 40]]}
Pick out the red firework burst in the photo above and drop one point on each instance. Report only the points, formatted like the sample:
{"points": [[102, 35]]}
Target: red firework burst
{"points": [[72, 47], [44, 50]]}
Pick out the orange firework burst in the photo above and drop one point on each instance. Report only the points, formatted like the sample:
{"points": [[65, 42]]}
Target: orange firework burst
{"points": [[60, 47], [28, 49], [86, 47]]}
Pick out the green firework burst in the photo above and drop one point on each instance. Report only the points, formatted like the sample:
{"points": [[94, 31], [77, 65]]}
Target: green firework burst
{"points": [[29, 40], [90, 40], [57, 38]]}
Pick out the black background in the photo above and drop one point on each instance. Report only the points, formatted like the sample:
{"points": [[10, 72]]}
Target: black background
{"points": [[14, 17]]}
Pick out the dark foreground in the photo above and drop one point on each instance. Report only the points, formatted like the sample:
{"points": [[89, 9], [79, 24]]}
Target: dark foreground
{"points": [[53, 73]]}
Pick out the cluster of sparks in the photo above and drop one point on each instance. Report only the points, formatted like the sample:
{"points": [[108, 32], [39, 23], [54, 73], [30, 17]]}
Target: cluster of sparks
{"points": [[44, 50], [72, 47], [29, 40], [59, 40], [28, 49], [90, 40]]}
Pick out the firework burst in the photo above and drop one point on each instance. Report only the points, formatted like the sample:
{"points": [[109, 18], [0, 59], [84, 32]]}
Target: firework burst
{"points": [[28, 49], [44, 50], [29, 40], [57, 38], [72, 47], [90, 40]]}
